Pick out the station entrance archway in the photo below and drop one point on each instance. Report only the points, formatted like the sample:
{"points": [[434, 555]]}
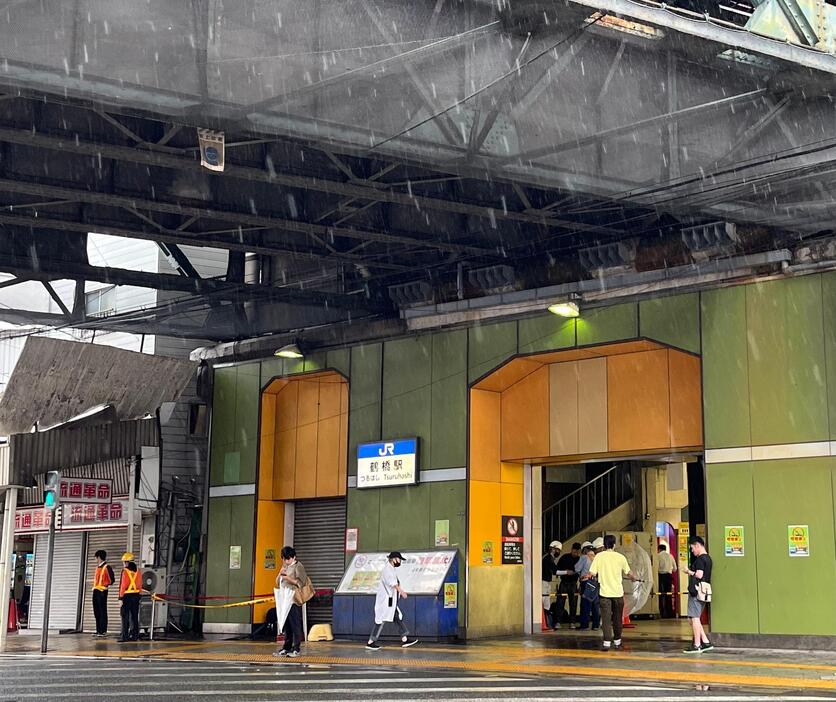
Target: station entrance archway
{"points": [[613, 401]]}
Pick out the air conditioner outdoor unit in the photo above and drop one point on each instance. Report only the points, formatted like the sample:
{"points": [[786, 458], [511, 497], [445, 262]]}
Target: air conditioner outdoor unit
{"points": [[153, 580]]}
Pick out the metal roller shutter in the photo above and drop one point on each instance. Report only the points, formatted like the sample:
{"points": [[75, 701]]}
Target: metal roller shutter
{"points": [[66, 581], [113, 542], [319, 540]]}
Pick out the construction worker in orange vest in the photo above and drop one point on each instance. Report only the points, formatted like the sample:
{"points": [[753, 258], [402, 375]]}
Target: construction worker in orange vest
{"points": [[102, 580], [130, 592]]}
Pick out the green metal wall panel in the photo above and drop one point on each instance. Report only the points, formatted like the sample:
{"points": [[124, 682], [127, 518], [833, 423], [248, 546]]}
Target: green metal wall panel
{"points": [[217, 556], [448, 429], [605, 324], [449, 501], [725, 368], [241, 533], [223, 421], [405, 518], [828, 281], [246, 420], [271, 368], [315, 361], [796, 594], [340, 359], [364, 399], [546, 332], [488, 346], [409, 414], [730, 502], [787, 368], [672, 320], [364, 515]]}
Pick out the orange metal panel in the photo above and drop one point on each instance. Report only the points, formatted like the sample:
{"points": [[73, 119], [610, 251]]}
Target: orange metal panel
{"points": [[306, 458], [286, 407], [525, 417], [511, 473], [484, 435], [563, 408], [510, 500], [284, 472], [327, 459], [638, 411], [342, 464], [308, 402], [269, 537], [512, 372], [266, 446], [330, 396], [592, 406], [484, 518], [686, 399]]}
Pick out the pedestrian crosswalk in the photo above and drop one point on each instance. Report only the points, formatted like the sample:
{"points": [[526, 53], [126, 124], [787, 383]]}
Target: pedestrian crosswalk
{"points": [[74, 678]]}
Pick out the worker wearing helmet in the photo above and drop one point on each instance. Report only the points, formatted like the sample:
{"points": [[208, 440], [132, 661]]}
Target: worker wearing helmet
{"points": [[130, 592], [549, 571]]}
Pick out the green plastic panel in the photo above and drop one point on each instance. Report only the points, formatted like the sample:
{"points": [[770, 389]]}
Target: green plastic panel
{"points": [[605, 324], [488, 346], [725, 368], [796, 594], [730, 503], [234, 442], [672, 320], [217, 554], [546, 332], [787, 368], [223, 422], [246, 420]]}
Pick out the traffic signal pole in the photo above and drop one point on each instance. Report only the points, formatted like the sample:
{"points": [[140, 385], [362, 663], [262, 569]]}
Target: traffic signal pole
{"points": [[48, 583]]}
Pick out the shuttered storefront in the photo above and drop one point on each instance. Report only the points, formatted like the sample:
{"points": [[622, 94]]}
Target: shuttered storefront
{"points": [[68, 560], [113, 541], [319, 540]]}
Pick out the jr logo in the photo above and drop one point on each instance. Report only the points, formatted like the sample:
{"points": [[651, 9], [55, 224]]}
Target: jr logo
{"points": [[387, 450]]}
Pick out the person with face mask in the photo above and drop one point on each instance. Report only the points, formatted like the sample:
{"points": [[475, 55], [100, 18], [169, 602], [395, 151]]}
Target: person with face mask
{"points": [[386, 609]]}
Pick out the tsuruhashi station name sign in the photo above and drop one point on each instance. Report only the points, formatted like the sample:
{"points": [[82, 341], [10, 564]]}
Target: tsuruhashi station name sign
{"points": [[387, 463]]}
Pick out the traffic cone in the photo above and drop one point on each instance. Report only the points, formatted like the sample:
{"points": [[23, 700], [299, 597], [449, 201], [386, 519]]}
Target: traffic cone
{"points": [[12, 625], [626, 623]]}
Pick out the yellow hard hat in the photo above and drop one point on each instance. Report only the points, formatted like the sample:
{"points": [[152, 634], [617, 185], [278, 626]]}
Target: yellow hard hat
{"points": [[127, 556]]}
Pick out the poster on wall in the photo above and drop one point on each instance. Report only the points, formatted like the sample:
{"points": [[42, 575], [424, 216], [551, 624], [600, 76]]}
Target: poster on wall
{"points": [[798, 540], [442, 532], [733, 541], [487, 553], [421, 572], [235, 558], [270, 559], [351, 538], [512, 540], [451, 595]]}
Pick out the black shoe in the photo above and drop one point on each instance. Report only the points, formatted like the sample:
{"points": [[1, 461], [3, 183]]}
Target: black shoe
{"points": [[693, 649], [618, 647], [408, 643], [372, 646], [707, 646]]}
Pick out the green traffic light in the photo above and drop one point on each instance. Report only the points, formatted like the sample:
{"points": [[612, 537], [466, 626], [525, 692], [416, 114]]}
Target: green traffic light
{"points": [[49, 500]]}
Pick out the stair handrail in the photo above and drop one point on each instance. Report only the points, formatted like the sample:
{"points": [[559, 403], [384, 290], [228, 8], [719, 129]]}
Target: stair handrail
{"points": [[585, 486]]}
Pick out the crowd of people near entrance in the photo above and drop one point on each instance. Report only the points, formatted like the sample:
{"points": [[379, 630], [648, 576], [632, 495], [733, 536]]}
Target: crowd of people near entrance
{"points": [[593, 572]]}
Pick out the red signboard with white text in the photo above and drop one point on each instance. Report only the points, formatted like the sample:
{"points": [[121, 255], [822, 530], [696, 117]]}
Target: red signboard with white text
{"points": [[73, 517], [91, 491]]}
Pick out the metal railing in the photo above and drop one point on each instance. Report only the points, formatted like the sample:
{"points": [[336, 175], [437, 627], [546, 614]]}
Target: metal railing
{"points": [[586, 505]]}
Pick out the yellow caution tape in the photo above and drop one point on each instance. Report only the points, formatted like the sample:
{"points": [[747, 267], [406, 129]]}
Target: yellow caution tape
{"points": [[216, 606]]}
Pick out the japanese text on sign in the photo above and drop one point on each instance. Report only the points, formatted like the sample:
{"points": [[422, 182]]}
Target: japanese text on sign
{"points": [[734, 541], [421, 573], [387, 463], [798, 540], [86, 490], [30, 520]]}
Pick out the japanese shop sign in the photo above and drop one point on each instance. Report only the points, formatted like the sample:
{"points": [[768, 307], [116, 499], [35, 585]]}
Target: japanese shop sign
{"points": [[798, 540], [387, 463], [93, 491], [30, 520], [733, 540], [512, 540], [94, 516]]}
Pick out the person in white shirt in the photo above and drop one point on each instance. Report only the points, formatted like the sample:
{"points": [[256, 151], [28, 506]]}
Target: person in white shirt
{"points": [[386, 608], [667, 567]]}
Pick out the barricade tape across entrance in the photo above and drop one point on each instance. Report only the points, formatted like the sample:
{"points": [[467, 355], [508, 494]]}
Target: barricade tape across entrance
{"points": [[247, 603]]}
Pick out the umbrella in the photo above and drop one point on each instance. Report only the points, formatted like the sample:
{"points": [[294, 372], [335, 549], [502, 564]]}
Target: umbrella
{"points": [[636, 594], [284, 601]]}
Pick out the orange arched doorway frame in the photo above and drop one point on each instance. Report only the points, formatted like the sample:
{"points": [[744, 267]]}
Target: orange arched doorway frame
{"points": [[614, 400]]}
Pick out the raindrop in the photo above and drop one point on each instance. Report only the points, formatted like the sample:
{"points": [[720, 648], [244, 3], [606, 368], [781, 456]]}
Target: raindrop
{"points": [[291, 202]]}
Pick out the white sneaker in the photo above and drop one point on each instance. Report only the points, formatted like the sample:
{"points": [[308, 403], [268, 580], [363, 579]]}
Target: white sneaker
{"points": [[280, 653]]}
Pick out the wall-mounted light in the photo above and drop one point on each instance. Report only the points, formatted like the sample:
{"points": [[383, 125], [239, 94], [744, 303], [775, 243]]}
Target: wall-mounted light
{"points": [[569, 308], [289, 351]]}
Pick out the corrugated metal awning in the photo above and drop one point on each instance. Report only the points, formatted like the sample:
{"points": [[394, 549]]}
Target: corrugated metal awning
{"points": [[60, 449]]}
